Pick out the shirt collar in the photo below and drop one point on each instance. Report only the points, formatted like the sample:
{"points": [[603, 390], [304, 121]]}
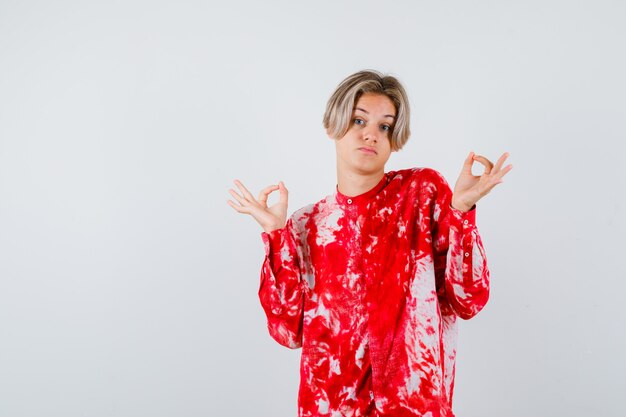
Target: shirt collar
{"points": [[361, 198]]}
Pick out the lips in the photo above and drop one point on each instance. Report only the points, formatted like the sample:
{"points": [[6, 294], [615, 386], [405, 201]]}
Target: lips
{"points": [[368, 150]]}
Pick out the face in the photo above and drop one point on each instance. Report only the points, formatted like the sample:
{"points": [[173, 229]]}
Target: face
{"points": [[366, 147]]}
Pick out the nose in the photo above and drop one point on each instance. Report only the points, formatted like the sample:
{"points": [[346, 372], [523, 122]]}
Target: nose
{"points": [[370, 134]]}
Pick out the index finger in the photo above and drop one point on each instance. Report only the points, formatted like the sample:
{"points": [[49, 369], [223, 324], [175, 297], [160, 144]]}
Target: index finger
{"points": [[266, 192], [487, 163]]}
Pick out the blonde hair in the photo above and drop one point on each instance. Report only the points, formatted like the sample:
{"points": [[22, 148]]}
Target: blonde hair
{"points": [[338, 114]]}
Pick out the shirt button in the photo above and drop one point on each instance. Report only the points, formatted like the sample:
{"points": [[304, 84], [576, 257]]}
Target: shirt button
{"points": [[466, 254], [465, 222], [349, 201]]}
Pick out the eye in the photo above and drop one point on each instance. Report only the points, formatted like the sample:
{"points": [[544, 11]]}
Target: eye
{"points": [[358, 121], [386, 128]]}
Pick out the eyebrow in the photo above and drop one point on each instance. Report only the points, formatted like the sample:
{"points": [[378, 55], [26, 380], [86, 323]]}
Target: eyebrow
{"points": [[366, 112]]}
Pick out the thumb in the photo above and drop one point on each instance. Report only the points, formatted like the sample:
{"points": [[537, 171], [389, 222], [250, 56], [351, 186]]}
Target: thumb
{"points": [[284, 193], [467, 164]]}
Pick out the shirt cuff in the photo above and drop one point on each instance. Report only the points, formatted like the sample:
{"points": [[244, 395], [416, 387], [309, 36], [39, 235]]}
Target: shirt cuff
{"points": [[273, 241], [464, 220], [464, 223]]}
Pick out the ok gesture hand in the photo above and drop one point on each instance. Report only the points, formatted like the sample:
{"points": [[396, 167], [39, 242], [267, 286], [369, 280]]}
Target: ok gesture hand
{"points": [[470, 188], [270, 218]]}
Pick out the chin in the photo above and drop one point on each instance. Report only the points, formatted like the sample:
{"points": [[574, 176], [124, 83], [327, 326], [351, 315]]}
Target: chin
{"points": [[368, 170]]}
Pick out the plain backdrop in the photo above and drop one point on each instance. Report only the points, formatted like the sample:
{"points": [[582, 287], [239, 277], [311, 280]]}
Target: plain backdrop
{"points": [[128, 286]]}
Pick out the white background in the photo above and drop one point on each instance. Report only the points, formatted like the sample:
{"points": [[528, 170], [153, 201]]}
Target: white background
{"points": [[128, 287]]}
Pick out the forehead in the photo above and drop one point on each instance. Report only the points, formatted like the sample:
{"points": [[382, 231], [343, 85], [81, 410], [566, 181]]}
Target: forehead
{"points": [[375, 104]]}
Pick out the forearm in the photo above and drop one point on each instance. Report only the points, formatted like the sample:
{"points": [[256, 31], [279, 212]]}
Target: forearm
{"points": [[467, 274], [281, 289]]}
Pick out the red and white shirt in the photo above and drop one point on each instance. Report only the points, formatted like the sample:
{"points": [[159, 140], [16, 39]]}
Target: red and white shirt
{"points": [[370, 287]]}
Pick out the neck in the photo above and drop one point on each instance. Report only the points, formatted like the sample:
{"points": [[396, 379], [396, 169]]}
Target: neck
{"points": [[352, 184]]}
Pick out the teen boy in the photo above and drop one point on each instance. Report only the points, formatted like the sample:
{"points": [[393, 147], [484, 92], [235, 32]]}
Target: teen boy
{"points": [[370, 280]]}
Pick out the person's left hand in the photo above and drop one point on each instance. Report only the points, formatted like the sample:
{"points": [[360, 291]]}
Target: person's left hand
{"points": [[470, 188]]}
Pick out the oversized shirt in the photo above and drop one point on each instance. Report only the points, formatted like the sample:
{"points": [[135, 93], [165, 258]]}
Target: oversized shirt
{"points": [[370, 287]]}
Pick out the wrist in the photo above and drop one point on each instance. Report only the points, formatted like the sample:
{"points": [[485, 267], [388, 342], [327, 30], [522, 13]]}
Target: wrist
{"points": [[455, 204], [271, 228]]}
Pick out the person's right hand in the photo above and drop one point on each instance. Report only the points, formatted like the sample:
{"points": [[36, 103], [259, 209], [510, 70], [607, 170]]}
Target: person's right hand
{"points": [[270, 218]]}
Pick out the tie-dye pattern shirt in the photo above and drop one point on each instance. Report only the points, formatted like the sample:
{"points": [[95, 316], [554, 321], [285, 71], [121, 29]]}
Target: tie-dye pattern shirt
{"points": [[370, 287]]}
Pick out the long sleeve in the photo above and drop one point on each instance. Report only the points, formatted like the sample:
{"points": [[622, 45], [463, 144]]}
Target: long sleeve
{"points": [[460, 261], [282, 289]]}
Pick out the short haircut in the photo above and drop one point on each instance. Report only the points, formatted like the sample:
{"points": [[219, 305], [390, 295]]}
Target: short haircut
{"points": [[338, 114]]}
